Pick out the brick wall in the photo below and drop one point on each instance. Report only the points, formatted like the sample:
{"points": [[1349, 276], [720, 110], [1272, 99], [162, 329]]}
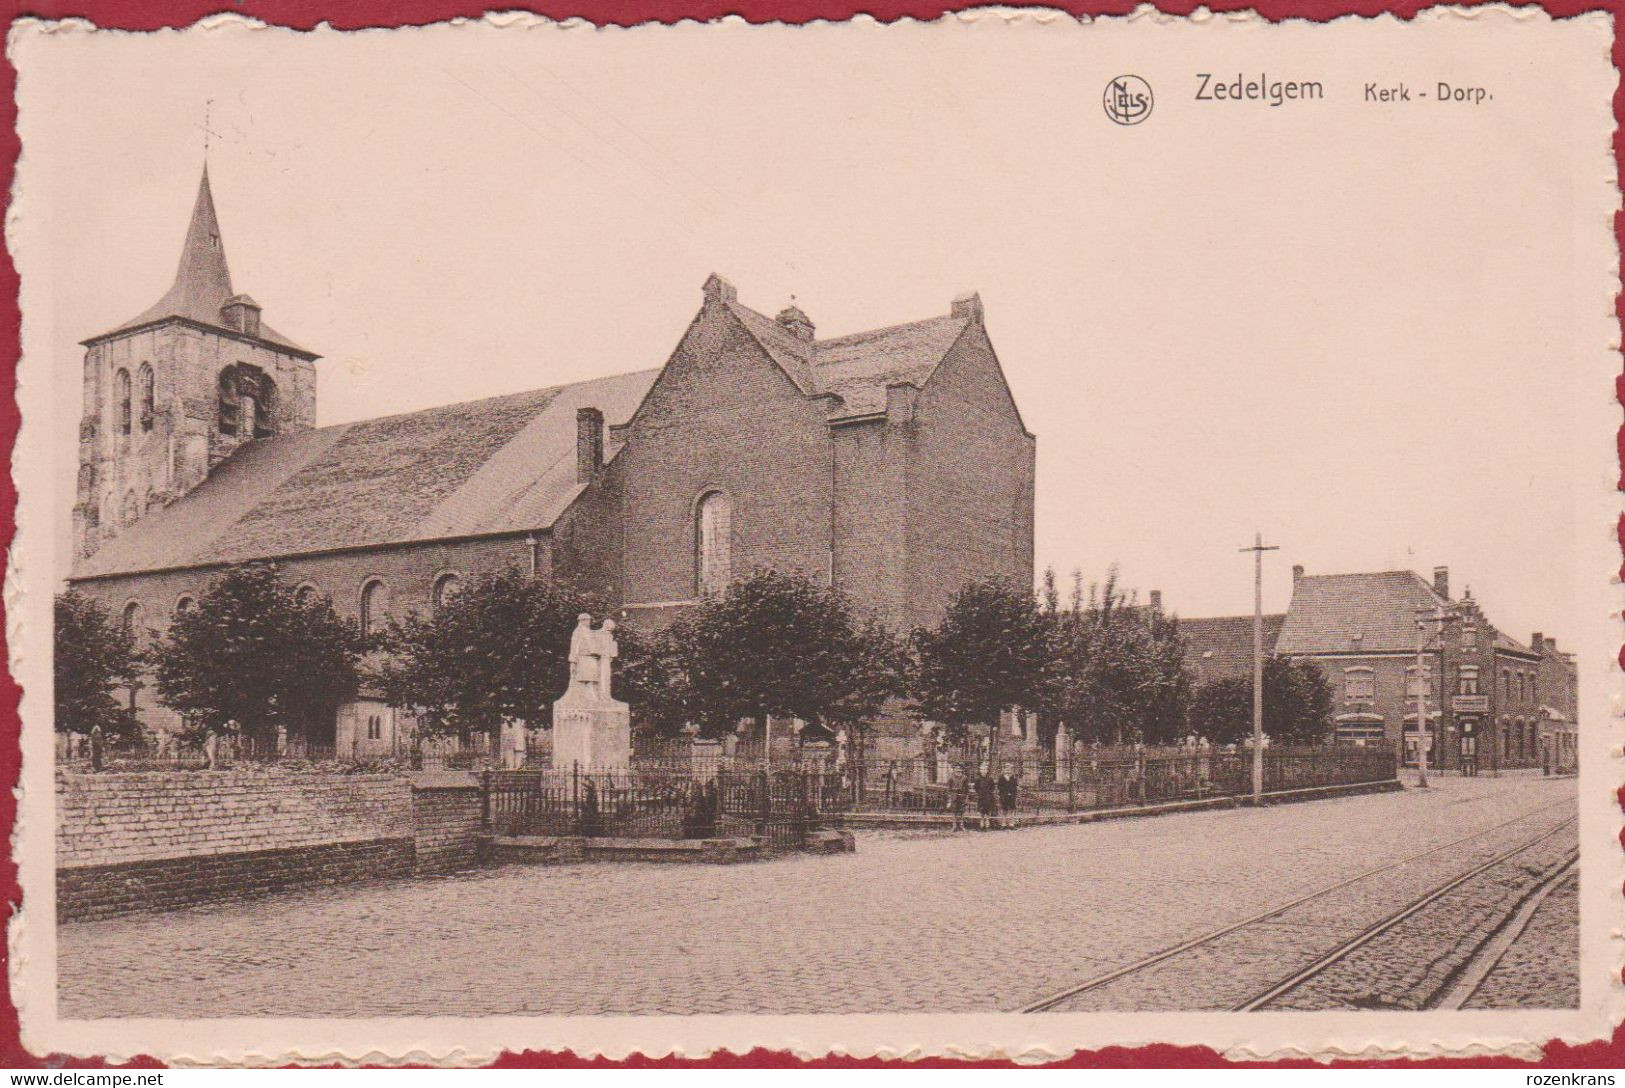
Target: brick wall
{"points": [[723, 417], [148, 841], [446, 827], [970, 482]]}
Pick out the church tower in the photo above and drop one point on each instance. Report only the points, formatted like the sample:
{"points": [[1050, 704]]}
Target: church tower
{"points": [[171, 393]]}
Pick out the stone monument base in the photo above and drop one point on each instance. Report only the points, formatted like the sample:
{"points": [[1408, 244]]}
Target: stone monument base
{"points": [[591, 736]]}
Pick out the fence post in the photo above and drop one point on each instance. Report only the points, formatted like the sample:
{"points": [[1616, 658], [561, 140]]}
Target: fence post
{"points": [[767, 800], [575, 796], [485, 801], [1071, 782]]}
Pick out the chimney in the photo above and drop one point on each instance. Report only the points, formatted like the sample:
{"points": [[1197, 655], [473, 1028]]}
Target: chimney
{"points": [[589, 444], [1441, 581], [1297, 573], [1537, 642], [1551, 646], [1156, 600], [718, 289], [799, 324], [242, 314], [967, 306]]}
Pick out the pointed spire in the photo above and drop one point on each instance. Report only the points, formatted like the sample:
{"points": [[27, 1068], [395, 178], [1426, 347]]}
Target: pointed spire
{"points": [[202, 286], [203, 280]]}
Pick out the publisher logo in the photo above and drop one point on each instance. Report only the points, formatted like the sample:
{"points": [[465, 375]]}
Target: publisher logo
{"points": [[1128, 100]]}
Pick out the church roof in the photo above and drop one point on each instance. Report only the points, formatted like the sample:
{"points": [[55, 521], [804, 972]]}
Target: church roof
{"points": [[858, 367], [202, 280], [504, 464]]}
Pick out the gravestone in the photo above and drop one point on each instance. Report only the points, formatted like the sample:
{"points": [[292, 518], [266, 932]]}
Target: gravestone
{"points": [[590, 728]]}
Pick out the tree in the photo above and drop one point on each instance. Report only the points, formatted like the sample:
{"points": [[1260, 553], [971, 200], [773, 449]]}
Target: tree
{"points": [[1119, 669], [991, 653], [1297, 705], [498, 650], [254, 652], [94, 657], [772, 644]]}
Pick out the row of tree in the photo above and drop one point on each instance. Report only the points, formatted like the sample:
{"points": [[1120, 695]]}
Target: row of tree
{"points": [[254, 652]]}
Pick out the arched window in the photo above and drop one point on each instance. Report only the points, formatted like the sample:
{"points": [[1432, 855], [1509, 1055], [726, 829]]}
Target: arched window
{"points": [[121, 400], [713, 540], [374, 606], [130, 620], [1506, 683], [185, 605], [446, 587], [305, 594], [246, 394], [144, 386]]}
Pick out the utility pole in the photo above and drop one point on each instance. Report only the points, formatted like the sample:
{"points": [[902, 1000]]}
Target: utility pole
{"points": [[1425, 616], [1258, 549]]}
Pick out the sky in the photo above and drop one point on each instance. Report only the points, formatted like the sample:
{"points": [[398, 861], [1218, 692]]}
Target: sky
{"points": [[1368, 332]]}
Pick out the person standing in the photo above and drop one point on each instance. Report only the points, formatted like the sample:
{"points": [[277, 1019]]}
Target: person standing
{"points": [[986, 799], [1009, 792]]}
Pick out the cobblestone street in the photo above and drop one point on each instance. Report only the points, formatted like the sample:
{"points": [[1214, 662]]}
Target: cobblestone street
{"points": [[911, 922]]}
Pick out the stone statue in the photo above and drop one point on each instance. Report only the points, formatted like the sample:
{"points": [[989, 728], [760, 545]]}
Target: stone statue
{"points": [[591, 652], [591, 728]]}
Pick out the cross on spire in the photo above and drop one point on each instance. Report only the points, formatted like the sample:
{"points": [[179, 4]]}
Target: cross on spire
{"points": [[208, 105]]}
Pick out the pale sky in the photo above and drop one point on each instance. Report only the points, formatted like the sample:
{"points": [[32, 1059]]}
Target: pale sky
{"points": [[1355, 327]]}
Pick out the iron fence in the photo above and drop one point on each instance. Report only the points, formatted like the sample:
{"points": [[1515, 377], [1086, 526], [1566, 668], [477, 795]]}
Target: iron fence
{"points": [[1096, 779]]}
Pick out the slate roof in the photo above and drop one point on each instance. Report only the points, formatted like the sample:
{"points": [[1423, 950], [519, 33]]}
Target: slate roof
{"points": [[504, 464], [202, 279], [856, 368], [1221, 647], [1329, 610]]}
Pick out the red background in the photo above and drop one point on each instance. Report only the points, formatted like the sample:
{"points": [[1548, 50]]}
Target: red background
{"points": [[353, 14]]}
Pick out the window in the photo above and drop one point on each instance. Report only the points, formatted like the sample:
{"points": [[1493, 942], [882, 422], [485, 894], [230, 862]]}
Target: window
{"points": [[1469, 637], [148, 398], [713, 541], [1506, 683], [185, 605], [1359, 684], [1467, 680], [375, 727], [446, 587], [374, 606], [130, 621], [305, 594], [121, 400]]}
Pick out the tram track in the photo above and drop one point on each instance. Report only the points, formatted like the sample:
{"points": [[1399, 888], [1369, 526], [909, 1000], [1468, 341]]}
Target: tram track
{"points": [[1260, 998]]}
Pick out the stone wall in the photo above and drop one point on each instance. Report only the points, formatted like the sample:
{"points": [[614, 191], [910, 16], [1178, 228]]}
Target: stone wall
{"points": [[154, 841]]}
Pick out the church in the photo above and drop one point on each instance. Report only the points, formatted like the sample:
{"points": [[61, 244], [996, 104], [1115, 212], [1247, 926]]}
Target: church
{"points": [[892, 464]]}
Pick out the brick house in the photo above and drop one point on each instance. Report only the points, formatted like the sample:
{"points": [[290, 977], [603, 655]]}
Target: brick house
{"points": [[1221, 647], [1361, 630], [893, 464]]}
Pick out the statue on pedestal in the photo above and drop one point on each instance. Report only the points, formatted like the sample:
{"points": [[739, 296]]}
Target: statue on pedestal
{"points": [[591, 728]]}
